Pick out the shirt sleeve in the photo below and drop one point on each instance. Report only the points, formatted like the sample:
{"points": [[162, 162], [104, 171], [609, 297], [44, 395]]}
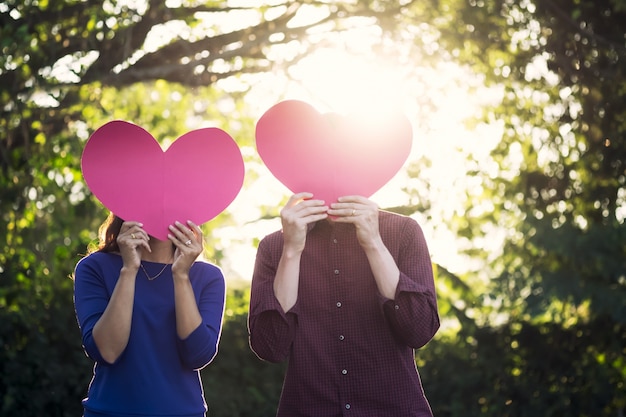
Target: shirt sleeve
{"points": [[199, 348], [413, 316], [91, 297], [271, 329]]}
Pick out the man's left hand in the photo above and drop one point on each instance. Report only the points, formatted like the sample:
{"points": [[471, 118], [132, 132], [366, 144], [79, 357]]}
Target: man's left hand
{"points": [[361, 212]]}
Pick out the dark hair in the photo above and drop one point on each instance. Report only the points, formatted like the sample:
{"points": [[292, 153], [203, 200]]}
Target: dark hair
{"points": [[107, 234]]}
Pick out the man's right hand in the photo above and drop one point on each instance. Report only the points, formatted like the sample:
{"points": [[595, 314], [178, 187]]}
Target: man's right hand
{"points": [[298, 213]]}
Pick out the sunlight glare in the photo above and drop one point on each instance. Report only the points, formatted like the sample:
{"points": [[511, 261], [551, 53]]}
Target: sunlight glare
{"points": [[344, 83]]}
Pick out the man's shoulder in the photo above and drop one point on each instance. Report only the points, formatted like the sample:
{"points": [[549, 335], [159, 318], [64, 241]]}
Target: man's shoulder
{"points": [[394, 225], [394, 218], [275, 235], [272, 239]]}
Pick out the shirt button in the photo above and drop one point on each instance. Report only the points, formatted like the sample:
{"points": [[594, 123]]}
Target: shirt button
{"points": [[336, 272], [341, 337], [344, 371], [397, 307], [334, 240], [338, 304], [347, 406]]}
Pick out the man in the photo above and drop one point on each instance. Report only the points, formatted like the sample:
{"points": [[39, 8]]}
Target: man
{"points": [[346, 293]]}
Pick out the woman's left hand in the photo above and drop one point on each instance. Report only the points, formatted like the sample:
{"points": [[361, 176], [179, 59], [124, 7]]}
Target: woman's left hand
{"points": [[189, 244], [361, 212]]}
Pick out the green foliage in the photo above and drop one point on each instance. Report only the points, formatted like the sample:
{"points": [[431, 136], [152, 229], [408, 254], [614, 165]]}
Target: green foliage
{"points": [[43, 370], [552, 316], [238, 383], [514, 370], [537, 330]]}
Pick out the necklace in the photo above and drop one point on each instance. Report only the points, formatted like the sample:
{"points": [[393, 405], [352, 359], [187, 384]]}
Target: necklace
{"points": [[156, 276]]}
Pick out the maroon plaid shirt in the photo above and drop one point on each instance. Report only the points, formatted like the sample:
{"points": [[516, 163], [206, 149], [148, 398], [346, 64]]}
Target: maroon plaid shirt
{"points": [[350, 350]]}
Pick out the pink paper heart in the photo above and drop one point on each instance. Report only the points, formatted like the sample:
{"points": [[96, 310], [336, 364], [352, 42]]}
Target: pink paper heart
{"points": [[195, 179], [331, 155]]}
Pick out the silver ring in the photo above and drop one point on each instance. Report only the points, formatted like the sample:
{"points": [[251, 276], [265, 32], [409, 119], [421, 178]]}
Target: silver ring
{"points": [[188, 242]]}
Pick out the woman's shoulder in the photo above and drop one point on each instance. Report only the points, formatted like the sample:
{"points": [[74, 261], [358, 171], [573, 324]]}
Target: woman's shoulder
{"points": [[98, 259], [207, 269], [207, 276]]}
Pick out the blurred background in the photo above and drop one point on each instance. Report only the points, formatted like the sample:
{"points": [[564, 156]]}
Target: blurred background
{"points": [[517, 176]]}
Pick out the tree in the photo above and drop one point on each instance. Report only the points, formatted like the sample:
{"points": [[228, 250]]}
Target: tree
{"points": [[559, 193], [65, 68], [538, 329]]}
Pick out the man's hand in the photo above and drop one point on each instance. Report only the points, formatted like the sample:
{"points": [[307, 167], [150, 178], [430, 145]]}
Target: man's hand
{"points": [[298, 213], [361, 212]]}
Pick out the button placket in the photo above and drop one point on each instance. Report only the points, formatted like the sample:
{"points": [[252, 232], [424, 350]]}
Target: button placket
{"points": [[340, 291]]}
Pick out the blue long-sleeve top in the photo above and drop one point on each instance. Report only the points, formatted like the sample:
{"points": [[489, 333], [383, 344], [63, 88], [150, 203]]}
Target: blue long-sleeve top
{"points": [[158, 374]]}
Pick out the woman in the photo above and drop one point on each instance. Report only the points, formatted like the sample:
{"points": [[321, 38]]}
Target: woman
{"points": [[150, 315]]}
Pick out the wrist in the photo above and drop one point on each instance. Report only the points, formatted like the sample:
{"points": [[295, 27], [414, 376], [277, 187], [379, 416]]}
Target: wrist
{"points": [[374, 245], [129, 270], [292, 252], [180, 276]]}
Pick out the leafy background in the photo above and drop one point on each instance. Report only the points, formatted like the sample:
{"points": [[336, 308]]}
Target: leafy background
{"points": [[534, 317]]}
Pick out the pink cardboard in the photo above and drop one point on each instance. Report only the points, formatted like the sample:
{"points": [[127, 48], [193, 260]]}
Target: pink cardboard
{"points": [[195, 179], [331, 155]]}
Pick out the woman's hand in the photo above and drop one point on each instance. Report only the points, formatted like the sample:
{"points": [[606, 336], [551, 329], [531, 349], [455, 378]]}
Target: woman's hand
{"points": [[189, 244], [131, 240], [361, 212]]}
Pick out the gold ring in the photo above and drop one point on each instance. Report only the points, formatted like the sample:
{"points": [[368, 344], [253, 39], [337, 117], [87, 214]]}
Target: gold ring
{"points": [[353, 212], [188, 242], [132, 235]]}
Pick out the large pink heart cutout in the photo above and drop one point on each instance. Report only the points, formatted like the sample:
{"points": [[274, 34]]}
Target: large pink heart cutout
{"points": [[195, 179], [331, 155]]}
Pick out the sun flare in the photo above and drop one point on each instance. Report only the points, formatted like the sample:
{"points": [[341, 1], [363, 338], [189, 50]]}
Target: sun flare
{"points": [[436, 98], [346, 83]]}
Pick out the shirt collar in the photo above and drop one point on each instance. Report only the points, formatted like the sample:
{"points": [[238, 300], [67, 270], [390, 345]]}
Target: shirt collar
{"points": [[327, 223]]}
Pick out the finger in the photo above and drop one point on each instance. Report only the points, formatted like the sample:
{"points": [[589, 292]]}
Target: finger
{"points": [[134, 230], [178, 243], [129, 225], [304, 208], [309, 209], [134, 241], [301, 196], [308, 213], [297, 198], [179, 230], [138, 234], [183, 234], [310, 205], [303, 199], [353, 199], [144, 244], [196, 230], [342, 215], [345, 209]]}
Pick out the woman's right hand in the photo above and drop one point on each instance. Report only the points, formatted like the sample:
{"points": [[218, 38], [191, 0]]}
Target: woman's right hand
{"points": [[131, 240], [295, 217]]}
